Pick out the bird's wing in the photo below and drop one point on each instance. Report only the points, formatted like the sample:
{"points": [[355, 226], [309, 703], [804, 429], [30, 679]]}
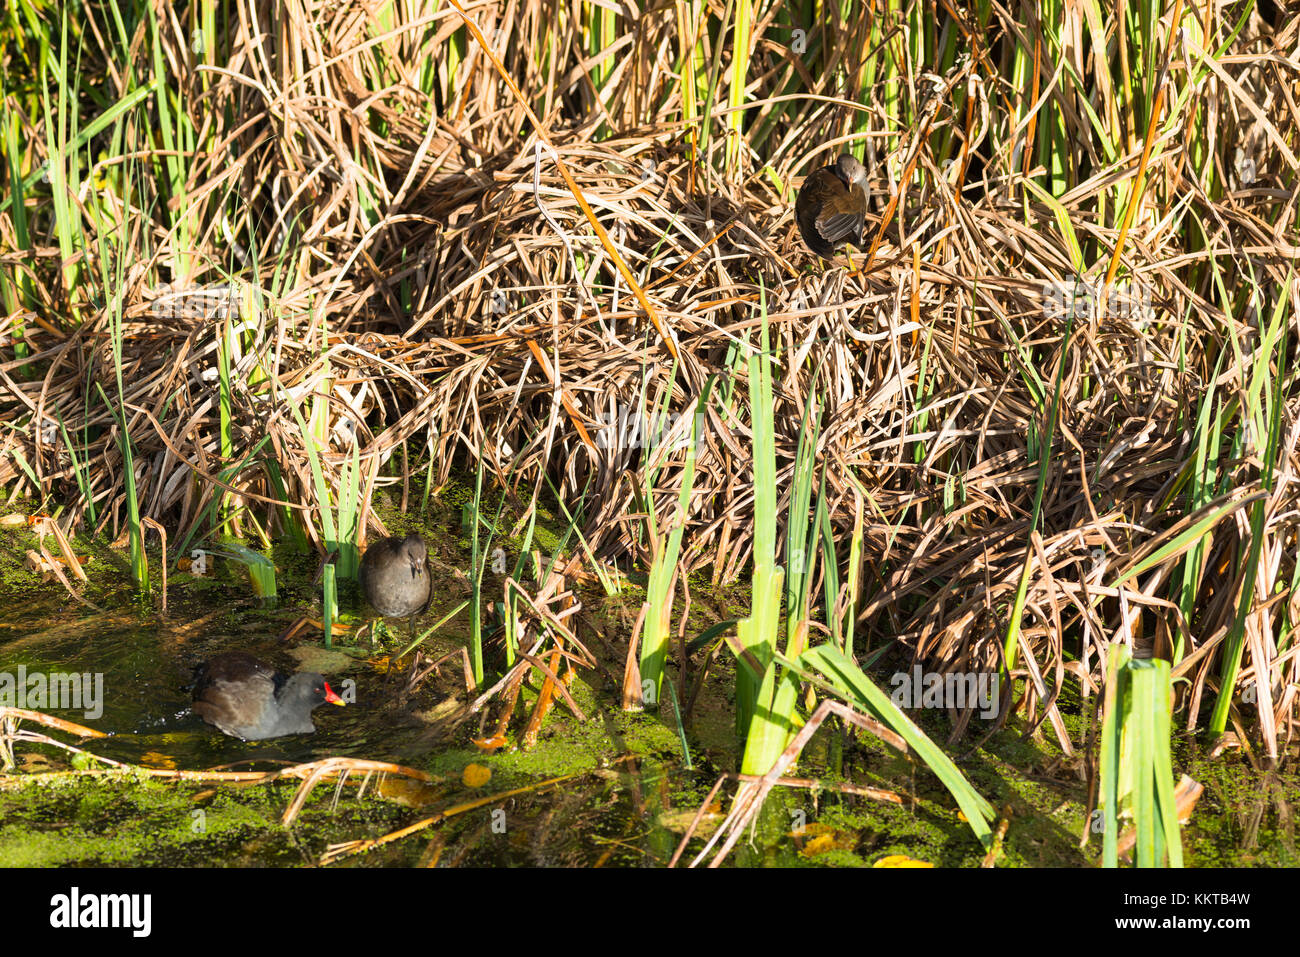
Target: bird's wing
{"points": [[233, 703], [837, 227]]}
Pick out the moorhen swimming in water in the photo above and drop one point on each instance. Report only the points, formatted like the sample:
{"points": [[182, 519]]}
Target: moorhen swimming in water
{"points": [[395, 577], [832, 206], [249, 699]]}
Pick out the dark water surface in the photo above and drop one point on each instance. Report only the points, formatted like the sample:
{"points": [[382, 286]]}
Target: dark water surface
{"points": [[626, 792]]}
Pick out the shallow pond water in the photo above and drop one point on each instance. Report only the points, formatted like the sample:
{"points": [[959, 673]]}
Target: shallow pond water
{"points": [[617, 789]]}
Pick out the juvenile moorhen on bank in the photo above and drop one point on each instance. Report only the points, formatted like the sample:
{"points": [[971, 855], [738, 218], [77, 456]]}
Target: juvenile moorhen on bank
{"points": [[248, 699], [832, 206], [395, 577]]}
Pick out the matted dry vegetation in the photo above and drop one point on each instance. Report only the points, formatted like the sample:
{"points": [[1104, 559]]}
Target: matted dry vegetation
{"points": [[419, 259]]}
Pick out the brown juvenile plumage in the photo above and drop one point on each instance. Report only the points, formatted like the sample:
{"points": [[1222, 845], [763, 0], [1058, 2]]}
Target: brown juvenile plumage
{"points": [[832, 206], [395, 576]]}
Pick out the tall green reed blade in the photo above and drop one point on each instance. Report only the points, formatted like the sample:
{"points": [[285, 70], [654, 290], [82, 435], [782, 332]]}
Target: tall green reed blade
{"points": [[205, 43], [854, 579], [349, 514], [601, 30], [63, 165], [225, 437], [711, 85], [1199, 494], [801, 533], [1263, 413], [848, 682], [113, 114], [324, 508], [665, 549], [741, 46], [830, 563], [477, 562], [135, 533], [690, 71], [177, 136], [645, 435], [319, 421], [81, 470], [329, 601], [758, 632], [25, 467], [773, 722], [113, 278], [513, 625], [892, 79], [457, 50], [18, 295], [340, 531], [1136, 772]]}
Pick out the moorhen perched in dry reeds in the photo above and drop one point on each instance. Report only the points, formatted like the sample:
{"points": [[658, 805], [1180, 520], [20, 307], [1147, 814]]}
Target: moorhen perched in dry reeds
{"points": [[395, 577], [249, 699], [832, 206]]}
